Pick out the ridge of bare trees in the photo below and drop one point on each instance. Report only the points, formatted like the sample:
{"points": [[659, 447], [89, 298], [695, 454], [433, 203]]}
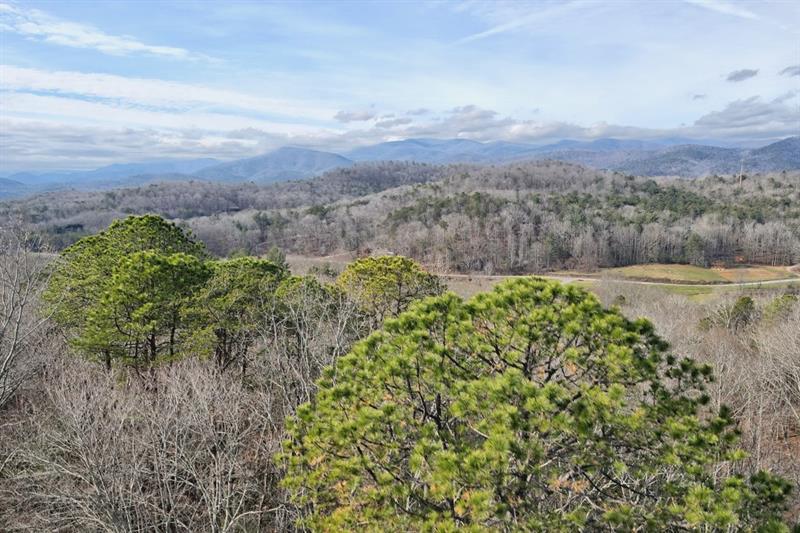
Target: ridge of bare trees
{"points": [[520, 218]]}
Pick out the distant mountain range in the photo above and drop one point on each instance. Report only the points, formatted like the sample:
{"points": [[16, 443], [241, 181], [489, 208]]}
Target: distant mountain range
{"points": [[672, 157], [283, 164], [690, 160], [111, 173], [12, 188], [675, 157], [467, 151]]}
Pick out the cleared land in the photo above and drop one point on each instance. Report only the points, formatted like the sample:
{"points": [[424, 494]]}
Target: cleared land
{"points": [[694, 274], [691, 281]]}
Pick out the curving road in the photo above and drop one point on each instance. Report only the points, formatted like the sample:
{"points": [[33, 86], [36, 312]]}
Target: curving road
{"points": [[570, 279], [793, 275]]}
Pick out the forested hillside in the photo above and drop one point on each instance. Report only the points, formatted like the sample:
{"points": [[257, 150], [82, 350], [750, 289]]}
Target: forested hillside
{"points": [[528, 217], [145, 385]]}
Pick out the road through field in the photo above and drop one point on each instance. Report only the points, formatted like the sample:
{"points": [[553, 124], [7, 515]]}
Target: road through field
{"points": [[341, 260], [572, 279]]}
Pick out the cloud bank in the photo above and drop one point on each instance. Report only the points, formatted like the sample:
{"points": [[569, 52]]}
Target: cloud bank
{"points": [[348, 76]]}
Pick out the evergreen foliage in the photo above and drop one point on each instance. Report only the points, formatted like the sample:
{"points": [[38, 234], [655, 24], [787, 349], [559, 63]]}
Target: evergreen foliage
{"points": [[527, 408], [121, 294], [385, 286], [230, 306]]}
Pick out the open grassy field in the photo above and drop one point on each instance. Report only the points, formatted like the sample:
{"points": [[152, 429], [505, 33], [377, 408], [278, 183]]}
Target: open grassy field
{"points": [[682, 273], [693, 282], [694, 274]]}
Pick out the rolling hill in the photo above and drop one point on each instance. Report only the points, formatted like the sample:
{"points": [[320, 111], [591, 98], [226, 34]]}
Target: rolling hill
{"points": [[283, 164], [11, 188]]}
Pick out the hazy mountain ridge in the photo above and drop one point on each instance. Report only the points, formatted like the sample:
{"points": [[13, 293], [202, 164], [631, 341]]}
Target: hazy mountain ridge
{"points": [[115, 171], [283, 164], [427, 151], [11, 187], [669, 157]]}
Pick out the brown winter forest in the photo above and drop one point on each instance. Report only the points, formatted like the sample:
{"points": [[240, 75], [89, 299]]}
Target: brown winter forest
{"points": [[163, 367], [519, 218]]}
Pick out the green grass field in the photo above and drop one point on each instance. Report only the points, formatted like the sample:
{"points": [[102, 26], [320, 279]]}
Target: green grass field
{"points": [[694, 274], [685, 273]]}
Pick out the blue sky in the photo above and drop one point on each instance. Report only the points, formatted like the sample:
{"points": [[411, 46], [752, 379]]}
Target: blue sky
{"points": [[84, 84]]}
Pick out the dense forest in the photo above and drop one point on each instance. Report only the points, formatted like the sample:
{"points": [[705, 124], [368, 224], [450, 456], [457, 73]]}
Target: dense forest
{"points": [[528, 217], [147, 386]]}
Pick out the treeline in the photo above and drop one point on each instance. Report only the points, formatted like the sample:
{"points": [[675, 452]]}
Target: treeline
{"points": [[529, 217], [66, 216], [147, 386], [535, 218]]}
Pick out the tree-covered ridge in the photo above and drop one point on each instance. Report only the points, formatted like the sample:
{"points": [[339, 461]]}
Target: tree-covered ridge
{"points": [[527, 408], [519, 218]]}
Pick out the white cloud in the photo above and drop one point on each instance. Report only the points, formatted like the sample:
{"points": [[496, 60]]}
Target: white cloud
{"points": [[66, 141], [38, 25], [393, 122], [52, 145], [511, 16], [354, 116], [725, 8], [66, 119], [114, 114], [144, 92], [751, 117]]}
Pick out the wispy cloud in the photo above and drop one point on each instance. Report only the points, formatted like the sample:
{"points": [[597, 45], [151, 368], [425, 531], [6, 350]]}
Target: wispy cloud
{"points": [[793, 70], [725, 8], [518, 17], [418, 112], [741, 75], [152, 94], [750, 116], [393, 122], [785, 97], [38, 25]]}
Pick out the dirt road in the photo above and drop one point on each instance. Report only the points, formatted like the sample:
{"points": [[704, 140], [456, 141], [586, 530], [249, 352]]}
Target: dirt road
{"points": [[341, 260], [572, 279]]}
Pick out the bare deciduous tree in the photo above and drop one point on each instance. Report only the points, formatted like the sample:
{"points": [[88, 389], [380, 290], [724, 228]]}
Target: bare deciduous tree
{"points": [[192, 452], [23, 276]]}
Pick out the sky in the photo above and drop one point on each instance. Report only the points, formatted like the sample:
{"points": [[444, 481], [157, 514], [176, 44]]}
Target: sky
{"points": [[84, 84]]}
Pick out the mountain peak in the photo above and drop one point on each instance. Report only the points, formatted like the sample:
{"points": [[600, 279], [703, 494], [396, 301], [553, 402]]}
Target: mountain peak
{"points": [[286, 163]]}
